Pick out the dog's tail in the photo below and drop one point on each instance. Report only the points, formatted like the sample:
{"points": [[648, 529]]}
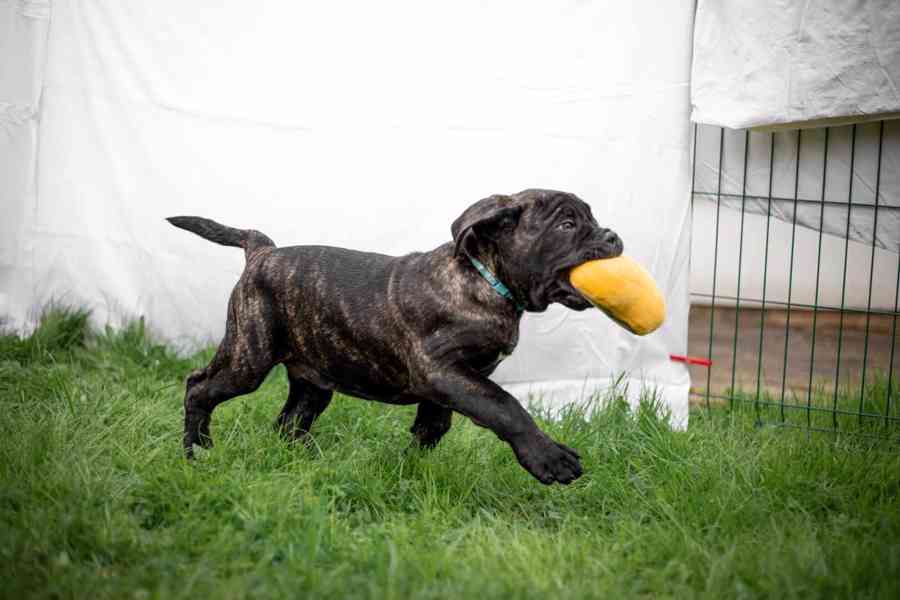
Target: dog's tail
{"points": [[248, 239]]}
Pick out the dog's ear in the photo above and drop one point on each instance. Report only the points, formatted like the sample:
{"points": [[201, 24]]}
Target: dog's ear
{"points": [[484, 220]]}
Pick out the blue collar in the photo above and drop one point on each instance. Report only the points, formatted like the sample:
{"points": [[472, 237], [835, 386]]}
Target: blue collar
{"points": [[496, 283]]}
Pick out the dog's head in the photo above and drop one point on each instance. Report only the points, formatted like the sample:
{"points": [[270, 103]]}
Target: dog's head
{"points": [[533, 238]]}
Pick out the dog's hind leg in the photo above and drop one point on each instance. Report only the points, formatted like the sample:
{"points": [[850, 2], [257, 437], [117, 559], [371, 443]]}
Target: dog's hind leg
{"points": [[304, 404], [432, 422], [241, 363]]}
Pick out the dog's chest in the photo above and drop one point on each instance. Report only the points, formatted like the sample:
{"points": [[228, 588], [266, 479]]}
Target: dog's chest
{"points": [[496, 355], [501, 356], [488, 361]]}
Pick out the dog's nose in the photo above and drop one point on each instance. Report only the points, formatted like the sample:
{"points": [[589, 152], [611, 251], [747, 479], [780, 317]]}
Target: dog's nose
{"points": [[612, 242]]}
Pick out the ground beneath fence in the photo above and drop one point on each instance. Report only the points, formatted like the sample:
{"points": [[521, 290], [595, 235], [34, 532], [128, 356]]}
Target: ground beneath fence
{"points": [[755, 351]]}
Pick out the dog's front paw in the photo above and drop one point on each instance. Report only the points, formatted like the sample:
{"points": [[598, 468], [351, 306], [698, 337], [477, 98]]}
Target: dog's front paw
{"points": [[549, 461]]}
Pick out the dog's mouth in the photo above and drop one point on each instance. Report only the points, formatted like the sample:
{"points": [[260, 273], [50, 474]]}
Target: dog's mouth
{"points": [[565, 294], [563, 291]]}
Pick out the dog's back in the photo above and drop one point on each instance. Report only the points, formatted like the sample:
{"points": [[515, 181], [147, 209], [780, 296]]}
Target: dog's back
{"points": [[330, 314]]}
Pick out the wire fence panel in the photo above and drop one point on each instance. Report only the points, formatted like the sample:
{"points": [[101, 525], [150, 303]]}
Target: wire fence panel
{"points": [[796, 275]]}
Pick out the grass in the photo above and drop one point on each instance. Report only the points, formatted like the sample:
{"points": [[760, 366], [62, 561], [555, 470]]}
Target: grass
{"points": [[875, 414], [96, 500]]}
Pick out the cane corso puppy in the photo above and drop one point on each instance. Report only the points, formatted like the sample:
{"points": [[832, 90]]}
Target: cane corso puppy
{"points": [[426, 328]]}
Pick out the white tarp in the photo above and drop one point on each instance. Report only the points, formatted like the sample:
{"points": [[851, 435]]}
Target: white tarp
{"points": [[828, 198], [795, 61], [365, 125], [844, 209]]}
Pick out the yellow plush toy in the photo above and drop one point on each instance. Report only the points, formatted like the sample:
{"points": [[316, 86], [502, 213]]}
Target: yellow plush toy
{"points": [[622, 289]]}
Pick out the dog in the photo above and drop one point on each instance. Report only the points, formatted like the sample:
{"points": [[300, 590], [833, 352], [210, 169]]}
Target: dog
{"points": [[426, 328]]}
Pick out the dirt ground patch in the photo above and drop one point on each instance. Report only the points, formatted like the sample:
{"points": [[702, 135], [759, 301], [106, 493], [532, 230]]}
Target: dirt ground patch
{"points": [[736, 343]]}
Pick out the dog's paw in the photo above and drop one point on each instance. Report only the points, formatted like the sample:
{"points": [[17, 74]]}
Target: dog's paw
{"points": [[549, 461]]}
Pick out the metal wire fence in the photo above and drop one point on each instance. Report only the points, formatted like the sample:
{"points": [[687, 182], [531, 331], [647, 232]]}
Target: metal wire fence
{"points": [[796, 301]]}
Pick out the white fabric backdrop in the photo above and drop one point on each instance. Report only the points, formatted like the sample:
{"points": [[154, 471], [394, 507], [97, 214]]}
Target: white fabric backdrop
{"points": [[832, 218], [793, 61], [366, 125], [807, 285]]}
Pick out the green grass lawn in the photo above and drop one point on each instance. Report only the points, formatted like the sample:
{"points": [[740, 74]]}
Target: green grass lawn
{"points": [[96, 500]]}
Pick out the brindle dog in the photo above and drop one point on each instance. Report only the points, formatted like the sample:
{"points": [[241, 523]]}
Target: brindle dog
{"points": [[425, 328]]}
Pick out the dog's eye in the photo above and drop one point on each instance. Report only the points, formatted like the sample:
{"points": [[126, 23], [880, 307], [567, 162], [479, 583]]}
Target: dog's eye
{"points": [[567, 225]]}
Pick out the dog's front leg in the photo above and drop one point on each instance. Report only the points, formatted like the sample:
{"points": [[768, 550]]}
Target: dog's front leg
{"points": [[488, 405]]}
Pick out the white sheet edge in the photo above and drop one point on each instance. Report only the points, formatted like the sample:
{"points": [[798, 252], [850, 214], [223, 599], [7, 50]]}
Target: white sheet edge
{"points": [[583, 393]]}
